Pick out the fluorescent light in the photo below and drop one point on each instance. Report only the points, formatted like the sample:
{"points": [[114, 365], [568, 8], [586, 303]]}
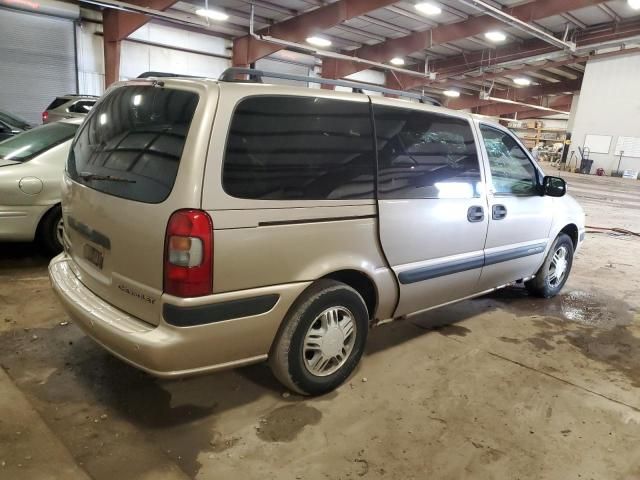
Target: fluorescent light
{"points": [[428, 8], [397, 61], [452, 93], [530, 105], [495, 36], [319, 41], [635, 4], [212, 14], [522, 81]]}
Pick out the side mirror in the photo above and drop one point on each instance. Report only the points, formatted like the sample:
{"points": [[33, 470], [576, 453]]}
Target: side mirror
{"points": [[554, 186]]}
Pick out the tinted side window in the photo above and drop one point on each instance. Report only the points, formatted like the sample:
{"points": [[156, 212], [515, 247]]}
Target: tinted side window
{"points": [[299, 148], [425, 155], [131, 144], [82, 106], [511, 170]]}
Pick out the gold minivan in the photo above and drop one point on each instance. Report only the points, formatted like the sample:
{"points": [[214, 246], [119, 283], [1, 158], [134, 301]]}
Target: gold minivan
{"points": [[213, 224]]}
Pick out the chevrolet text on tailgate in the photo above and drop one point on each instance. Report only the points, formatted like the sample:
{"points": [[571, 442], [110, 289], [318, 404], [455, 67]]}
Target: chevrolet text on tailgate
{"points": [[212, 224]]}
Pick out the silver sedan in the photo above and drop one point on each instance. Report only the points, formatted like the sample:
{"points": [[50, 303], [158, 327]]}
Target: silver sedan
{"points": [[31, 170]]}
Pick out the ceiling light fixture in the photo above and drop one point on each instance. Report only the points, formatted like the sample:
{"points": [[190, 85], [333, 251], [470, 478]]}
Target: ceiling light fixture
{"points": [[319, 41], [429, 8], [212, 14], [495, 36], [452, 93], [397, 61], [522, 81]]}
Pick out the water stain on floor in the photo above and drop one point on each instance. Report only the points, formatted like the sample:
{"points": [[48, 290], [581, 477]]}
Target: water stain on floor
{"points": [[590, 309], [285, 423], [598, 325], [453, 330]]}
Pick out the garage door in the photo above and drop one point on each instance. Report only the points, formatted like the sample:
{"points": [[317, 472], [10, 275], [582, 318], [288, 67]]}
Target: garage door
{"points": [[37, 62]]}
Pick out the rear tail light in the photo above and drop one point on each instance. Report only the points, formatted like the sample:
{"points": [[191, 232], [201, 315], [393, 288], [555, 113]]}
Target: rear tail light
{"points": [[188, 258], [45, 116]]}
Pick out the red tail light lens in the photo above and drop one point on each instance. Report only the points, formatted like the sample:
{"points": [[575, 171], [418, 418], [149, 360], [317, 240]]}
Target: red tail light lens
{"points": [[188, 258], [45, 116]]}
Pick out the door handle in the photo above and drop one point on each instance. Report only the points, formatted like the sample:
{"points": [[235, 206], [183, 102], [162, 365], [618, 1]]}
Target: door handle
{"points": [[498, 212], [475, 214]]}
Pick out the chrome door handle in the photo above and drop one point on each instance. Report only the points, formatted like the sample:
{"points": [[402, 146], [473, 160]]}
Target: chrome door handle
{"points": [[498, 212], [475, 214]]}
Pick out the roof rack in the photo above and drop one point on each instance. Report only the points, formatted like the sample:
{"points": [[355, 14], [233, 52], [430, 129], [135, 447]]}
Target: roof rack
{"points": [[256, 76], [164, 75]]}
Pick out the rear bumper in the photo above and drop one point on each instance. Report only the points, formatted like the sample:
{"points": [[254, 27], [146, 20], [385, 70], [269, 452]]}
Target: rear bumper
{"points": [[168, 350], [19, 223]]}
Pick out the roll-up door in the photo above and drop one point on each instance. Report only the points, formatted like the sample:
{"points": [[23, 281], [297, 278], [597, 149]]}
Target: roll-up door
{"points": [[37, 62]]}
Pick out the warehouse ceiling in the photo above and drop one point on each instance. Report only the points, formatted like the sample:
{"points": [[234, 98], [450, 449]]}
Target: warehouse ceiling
{"points": [[449, 41]]}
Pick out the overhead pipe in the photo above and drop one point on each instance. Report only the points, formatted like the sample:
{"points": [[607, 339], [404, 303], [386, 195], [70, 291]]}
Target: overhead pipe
{"points": [[519, 24], [537, 107]]}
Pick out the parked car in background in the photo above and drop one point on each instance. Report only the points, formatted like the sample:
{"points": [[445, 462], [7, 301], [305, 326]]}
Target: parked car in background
{"points": [[210, 225], [11, 125], [31, 170], [68, 106]]}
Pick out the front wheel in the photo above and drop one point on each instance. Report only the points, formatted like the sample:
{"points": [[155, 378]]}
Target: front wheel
{"points": [[555, 270], [322, 338]]}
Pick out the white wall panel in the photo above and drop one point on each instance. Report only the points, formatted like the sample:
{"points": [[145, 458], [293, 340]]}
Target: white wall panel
{"points": [[609, 104]]}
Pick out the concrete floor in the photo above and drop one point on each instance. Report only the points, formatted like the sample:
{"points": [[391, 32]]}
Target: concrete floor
{"points": [[504, 386]]}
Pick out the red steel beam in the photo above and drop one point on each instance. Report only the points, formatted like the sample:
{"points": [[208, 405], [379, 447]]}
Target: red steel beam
{"points": [[418, 41], [497, 109], [118, 25], [247, 49], [463, 63], [517, 94]]}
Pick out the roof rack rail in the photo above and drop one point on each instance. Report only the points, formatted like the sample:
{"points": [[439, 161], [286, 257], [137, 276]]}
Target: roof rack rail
{"points": [[256, 76], [164, 75]]}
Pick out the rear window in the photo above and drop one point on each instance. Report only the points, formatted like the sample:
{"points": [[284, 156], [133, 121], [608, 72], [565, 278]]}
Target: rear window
{"points": [[82, 106], [57, 102], [299, 148], [29, 144], [131, 144]]}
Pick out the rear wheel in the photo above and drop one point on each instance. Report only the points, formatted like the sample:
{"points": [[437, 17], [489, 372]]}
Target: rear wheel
{"points": [[555, 270], [50, 232], [322, 338]]}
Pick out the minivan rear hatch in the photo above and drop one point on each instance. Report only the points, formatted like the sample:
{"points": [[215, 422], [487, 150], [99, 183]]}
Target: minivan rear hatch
{"points": [[132, 164]]}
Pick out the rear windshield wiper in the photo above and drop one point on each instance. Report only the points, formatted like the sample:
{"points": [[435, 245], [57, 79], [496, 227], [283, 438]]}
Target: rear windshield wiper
{"points": [[108, 178]]}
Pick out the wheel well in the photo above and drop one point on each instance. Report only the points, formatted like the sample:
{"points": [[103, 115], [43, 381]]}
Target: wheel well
{"points": [[572, 231], [44, 216], [362, 284]]}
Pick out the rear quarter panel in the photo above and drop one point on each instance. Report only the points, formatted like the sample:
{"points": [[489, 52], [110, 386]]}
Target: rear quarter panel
{"points": [[269, 242]]}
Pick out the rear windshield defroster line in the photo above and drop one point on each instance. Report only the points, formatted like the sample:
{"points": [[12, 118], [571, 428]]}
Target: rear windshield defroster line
{"points": [[136, 134]]}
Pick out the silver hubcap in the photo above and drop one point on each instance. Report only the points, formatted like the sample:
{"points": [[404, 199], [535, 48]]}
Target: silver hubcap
{"points": [[60, 232], [329, 341], [558, 267]]}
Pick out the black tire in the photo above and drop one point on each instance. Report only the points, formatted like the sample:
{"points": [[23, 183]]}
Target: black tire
{"points": [[287, 358], [48, 231], [542, 285]]}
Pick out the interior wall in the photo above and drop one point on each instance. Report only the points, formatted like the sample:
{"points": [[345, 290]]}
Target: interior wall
{"points": [[609, 104], [163, 50]]}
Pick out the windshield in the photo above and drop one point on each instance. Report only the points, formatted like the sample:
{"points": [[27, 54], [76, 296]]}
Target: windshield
{"points": [[132, 142], [28, 144], [14, 121]]}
